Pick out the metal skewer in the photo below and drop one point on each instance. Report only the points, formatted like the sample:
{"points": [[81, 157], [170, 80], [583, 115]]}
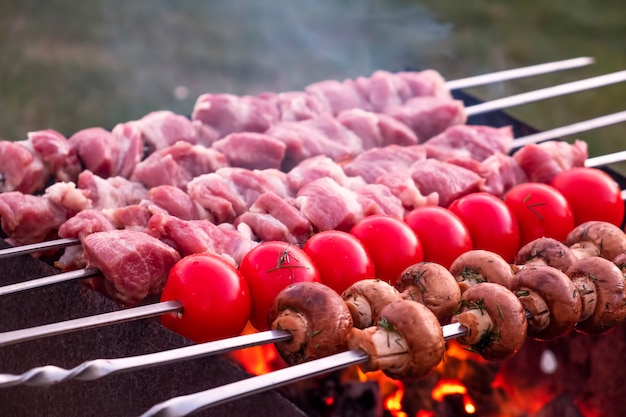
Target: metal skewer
{"points": [[187, 404]]}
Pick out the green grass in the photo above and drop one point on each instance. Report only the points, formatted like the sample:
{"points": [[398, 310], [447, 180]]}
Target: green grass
{"points": [[68, 65]]}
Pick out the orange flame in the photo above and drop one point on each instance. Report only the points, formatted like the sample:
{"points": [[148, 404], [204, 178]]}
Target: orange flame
{"points": [[258, 360], [452, 386]]}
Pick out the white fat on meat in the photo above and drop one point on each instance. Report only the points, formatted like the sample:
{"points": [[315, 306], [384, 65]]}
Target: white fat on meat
{"points": [[21, 169], [69, 196], [542, 162], [273, 217], [251, 150], [401, 185], [449, 181], [177, 165], [133, 263], [375, 162], [111, 192], [377, 129], [199, 236], [328, 205], [429, 116], [470, 141], [320, 166], [229, 113]]}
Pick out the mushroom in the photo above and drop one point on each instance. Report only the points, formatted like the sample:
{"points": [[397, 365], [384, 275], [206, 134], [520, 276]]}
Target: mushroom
{"points": [[407, 343], [600, 284], [550, 297], [596, 238], [545, 251], [433, 285], [366, 298], [495, 321], [317, 318], [476, 266]]}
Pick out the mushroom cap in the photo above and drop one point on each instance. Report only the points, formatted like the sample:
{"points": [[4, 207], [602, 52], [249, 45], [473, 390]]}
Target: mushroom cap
{"points": [[377, 293], [548, 251], [609, 238], [482, 266], [434, 286], [610, 295], [328, 318], [559, 294], [506, 313], [423, 334]]}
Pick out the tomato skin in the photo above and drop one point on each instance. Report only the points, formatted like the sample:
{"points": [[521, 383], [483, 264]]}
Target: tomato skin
{"points": [[443, 234], [391, 243], [592, 194], [491, 223], [215, 296], [269, 267], [340, 257], [541, 211]]}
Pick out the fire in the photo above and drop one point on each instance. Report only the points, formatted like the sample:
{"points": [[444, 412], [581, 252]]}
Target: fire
{"points": [[452, 386], [258, 360]]}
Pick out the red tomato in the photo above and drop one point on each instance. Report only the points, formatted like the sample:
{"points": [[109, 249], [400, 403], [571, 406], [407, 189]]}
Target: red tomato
{"points": [[270, 267], [541, 211], [491, 223], [443, 235], [391, 243], [215, 296], [340, 258], [592, 194]]}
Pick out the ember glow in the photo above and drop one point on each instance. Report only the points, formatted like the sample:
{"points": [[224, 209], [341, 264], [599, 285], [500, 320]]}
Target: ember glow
{"points": [[451, 386]]}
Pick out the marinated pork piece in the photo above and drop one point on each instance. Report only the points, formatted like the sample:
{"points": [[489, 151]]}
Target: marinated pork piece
{"points": [[495, 319], [383, 89], [596, 238], [317, 318], [228, 113], [163, 128], [543, 161], [20, 169], [406, 343], [85, 223], [320, 166], [600, 284], [402, 186], [470, 141], [133, 263], [479, 266], [177, 165], [272, 217], [550, 297], [111, 192], [338, 95], [294, 106], [132, 217], [377, 130], [98, 150], [216, 195], [177, 203], [56, 153], [366, 299], [426, 83], [432, 285], [198, 236], [328, 206], [251, 150], [130, 139], [323, 135], [373, 163], [447, 180], [501, 173], [545, 251], [379, 199], [429, 116]]}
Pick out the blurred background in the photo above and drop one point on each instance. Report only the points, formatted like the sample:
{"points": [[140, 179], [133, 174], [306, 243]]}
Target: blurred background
{"points": [[68, 65]]}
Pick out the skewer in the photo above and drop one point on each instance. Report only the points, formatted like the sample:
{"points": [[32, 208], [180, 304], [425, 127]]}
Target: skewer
{"points": [[187, 404], [512, 74], [607, 159], [95, 369]]}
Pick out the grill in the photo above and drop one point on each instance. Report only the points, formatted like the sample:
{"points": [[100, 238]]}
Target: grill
{"points": [[129, 393]]}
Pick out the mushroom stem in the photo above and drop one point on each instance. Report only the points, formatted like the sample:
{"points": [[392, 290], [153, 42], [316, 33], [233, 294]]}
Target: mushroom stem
{"points": [[535, 305], [361, 311], [587, 292], [478, 324], [388, 349], [294, 323], [585, 249]]}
